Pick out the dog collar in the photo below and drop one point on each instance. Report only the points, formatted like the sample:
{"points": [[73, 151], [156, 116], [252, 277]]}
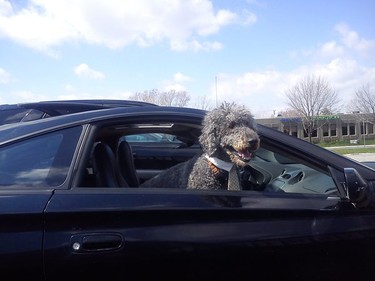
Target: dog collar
{"points": [[220, 163]]}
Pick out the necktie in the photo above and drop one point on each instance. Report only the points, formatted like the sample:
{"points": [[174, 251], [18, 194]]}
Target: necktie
{"points": [[233, 180]]}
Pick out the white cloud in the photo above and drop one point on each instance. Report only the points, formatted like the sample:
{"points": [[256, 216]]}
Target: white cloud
{"points": [[179, 77], [327, 50], [175, 87], [87, 95], [264, 91], [34, 27], [195, 46], [45, 24], [5, 77], [71, 92], [249, 17], [177, 83], [21, 96], [331, 49], [83, 70], [257, 3], [348, 44], [5, 8], [258, 90], [346, 76], [208, 22], [342, 63], [352, 40]]}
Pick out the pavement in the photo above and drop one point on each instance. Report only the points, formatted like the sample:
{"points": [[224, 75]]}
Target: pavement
{"points": [[361, 157]]}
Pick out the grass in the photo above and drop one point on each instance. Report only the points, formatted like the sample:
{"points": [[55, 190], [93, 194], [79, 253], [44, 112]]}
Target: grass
{"points": [[344, 143], [353, 150], [345, 147]]}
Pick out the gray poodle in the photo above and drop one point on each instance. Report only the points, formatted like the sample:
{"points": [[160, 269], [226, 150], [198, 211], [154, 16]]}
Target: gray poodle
{"points": [[228, 140]]}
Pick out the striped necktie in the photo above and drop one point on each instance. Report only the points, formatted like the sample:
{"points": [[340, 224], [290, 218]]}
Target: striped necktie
{"points": [[233, 180]]}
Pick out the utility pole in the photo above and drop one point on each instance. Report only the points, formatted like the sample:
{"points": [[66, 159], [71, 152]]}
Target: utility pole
{"points": [[364, 133], [216, 89]]}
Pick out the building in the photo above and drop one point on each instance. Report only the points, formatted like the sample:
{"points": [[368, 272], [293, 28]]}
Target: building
{"points": [[354, 128]]}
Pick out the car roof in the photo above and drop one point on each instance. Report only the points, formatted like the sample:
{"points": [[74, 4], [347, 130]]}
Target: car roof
{"points": [[75, 104], [13, 131], [102, 103], [13, 113]]}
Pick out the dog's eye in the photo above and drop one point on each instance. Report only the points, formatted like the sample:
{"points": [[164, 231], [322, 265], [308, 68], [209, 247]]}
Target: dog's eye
{"points": [[232, 124]]}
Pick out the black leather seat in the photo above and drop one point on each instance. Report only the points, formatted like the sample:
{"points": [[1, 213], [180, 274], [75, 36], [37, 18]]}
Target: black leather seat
{"points": [[126, 164], [104, 166]]}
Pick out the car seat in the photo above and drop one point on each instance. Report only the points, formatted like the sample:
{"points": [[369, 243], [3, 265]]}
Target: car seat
{"points": [[104, 164], [126, 165]]}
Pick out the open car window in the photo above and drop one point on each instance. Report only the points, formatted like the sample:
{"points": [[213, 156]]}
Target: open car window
{"points": [[157, 147], [276, 172], [268, 172]]}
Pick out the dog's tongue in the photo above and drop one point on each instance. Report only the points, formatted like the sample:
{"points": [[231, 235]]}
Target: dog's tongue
{"points": [[245, 154]]}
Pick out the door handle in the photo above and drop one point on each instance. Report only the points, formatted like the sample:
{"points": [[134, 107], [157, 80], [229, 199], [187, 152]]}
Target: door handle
{"points": [[96, 242]]}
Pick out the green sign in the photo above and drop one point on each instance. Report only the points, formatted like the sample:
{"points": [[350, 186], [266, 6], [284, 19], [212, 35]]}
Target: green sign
{"points": [[299, 119]]}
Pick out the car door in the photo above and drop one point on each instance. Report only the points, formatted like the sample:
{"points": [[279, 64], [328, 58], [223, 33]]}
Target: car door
{"points": [[30, 169], [21, 232], [169, 234], [305, 232]]}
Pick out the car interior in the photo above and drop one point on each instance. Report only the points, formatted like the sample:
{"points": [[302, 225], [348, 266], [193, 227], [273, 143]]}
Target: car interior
{"points": [[126, 156]]}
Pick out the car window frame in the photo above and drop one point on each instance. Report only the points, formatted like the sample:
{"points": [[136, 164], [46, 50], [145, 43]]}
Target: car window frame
{"points": [[105, 125]]}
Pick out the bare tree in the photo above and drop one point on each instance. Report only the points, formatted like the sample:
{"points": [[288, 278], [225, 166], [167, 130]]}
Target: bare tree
{"points": [[364, 102], [289, 113], [171, 98], [203, 103], [310, 97], [146, 96]]}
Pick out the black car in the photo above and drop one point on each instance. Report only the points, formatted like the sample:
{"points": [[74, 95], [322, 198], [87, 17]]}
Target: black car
{"points": [[71, 207], [22, 112]]}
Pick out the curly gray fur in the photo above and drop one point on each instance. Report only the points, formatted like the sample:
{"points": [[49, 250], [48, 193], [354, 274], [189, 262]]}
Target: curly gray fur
{"points": [[229, 134]]}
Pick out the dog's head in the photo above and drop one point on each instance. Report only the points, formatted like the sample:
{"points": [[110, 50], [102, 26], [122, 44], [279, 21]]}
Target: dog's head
{"points": [[229, 133]]}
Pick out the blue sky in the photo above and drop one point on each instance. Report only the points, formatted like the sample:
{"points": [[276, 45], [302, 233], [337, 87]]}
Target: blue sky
{"points": [[254, 49]]}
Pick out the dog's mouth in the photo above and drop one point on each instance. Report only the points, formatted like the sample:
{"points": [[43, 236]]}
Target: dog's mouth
{"points": [[245, 154]]}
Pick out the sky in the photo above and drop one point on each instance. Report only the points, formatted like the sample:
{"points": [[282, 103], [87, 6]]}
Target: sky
{"points": [[245, 51]]}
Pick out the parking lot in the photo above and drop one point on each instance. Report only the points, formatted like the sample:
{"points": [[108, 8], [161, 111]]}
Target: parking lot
{"points": [[361, 157]]}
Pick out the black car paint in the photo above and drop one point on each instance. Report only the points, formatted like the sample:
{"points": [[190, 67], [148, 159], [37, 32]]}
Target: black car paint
{"points": [[24, 112], [370, 164], [164, 233], [171, 234], [22, 231]]}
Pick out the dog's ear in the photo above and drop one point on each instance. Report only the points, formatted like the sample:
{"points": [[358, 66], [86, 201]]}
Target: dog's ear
{"points": [[208, 140]]}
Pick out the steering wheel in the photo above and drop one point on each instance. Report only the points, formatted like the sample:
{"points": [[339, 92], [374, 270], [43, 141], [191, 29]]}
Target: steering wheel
{"points": [[254, 178]]}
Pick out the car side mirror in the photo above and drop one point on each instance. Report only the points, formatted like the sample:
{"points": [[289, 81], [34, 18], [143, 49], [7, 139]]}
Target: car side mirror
{"points": [[357, 187]]}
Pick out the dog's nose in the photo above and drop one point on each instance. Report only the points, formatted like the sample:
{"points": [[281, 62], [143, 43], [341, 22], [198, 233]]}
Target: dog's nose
{"points": [[253, 143]]}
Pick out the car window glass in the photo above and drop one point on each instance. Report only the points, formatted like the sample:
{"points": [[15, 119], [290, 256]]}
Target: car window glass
{"points": [[33, 114], [19, 114], [152, 137], [39, 161], [12, 115]]}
